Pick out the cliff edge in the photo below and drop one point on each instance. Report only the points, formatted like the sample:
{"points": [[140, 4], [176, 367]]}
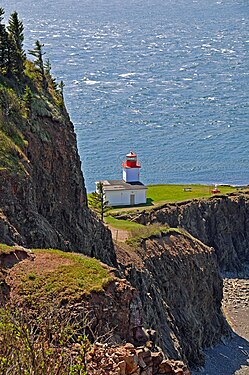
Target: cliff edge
{"points": [[180, 289], [43, 200], [220, 222]]}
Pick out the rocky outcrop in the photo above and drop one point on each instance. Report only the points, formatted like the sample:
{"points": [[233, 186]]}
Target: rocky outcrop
{"points": [[46, 206], [181, 293], [169, 300], [221, 222], [126, 359]]}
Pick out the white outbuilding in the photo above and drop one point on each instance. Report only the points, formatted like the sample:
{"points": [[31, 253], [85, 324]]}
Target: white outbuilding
{"points": [[129, 191]]}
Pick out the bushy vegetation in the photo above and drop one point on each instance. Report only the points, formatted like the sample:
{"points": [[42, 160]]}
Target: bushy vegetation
{"points": [[48, 340], [27, 90], [42, 330]]}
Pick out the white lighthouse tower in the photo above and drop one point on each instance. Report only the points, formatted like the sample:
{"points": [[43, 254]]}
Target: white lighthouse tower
{"points": [[129, 191], [131, 168]]}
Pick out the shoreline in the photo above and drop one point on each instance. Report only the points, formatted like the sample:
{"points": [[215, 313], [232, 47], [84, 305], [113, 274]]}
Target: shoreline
{"points": [[231, 357]]}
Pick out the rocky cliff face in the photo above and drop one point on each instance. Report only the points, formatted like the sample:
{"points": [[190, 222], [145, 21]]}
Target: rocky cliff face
{"points": [[168, 302], [181, 292], [46, 205], [220, 222]]}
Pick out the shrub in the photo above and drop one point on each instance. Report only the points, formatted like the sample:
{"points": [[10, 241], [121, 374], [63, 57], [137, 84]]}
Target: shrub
{"points": [[47, 340]]}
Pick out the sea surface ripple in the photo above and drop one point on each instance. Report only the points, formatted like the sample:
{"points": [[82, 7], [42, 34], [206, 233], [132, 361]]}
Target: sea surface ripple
{"points": [[166, 79]]}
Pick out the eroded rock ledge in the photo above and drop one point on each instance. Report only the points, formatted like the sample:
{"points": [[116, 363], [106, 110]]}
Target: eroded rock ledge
{"points": [[181, 292], [221, 222], [46, 207], [169, 299]]}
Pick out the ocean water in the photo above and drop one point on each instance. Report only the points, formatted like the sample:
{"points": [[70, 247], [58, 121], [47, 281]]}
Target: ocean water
{"points": [[166, 79]]}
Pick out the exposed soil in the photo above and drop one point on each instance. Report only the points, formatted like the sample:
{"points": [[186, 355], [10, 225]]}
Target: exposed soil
{"points": [[40, 263], [119, 234], [232, 357]]}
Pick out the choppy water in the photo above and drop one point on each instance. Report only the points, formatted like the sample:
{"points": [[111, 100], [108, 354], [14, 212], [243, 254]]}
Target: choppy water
{"points": [[166, 79]]}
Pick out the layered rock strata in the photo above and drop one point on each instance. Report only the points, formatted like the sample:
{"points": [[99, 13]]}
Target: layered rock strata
{"points": [[46, 206], [221, 222], [181, 293]]}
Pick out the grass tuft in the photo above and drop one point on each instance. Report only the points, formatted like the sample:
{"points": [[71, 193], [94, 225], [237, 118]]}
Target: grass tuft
{"points": [[154, 230], [5, 249]]}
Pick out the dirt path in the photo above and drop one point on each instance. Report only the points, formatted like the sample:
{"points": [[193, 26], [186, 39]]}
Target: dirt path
{"points": [[119, 235], [232, 357]]}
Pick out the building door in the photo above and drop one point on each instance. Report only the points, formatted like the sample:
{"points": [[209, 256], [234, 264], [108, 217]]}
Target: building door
{"points": [[132, 199]]}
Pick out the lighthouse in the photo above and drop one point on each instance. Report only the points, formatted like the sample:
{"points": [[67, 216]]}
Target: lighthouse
{"points": [[131, 168], [129, 191]]}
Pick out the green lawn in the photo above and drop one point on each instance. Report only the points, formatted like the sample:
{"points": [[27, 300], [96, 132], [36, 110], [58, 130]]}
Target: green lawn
{"points": [[166, 193], [122, 224], [174, 193], [158, 195]]}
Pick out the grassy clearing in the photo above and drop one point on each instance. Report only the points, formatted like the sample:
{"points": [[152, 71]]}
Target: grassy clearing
{"points": [[149, 231], [72, 279], [174, 193], [122, 224], [160, 194]]}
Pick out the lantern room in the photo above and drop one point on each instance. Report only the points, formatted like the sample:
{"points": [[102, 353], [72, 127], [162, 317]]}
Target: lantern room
{"points": [[131, 168]]}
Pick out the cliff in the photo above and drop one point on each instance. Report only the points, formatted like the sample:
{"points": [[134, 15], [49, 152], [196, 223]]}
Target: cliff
{"points": [[172, 284], [168, 302], [220, 222], [181, 292], [56, 292], [43, 200]]}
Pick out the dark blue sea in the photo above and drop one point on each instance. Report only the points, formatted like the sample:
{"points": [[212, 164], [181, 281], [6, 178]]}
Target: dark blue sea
{"points": [[166, 79]]}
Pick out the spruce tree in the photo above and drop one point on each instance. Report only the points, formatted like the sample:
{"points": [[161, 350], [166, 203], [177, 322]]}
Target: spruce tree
{"points": [[16, 38], [38, 53], [3, 44], [28, 98], [61, 88], [98, 202]]}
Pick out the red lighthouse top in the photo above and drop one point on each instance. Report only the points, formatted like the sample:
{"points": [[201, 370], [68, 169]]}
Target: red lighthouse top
{"points": [[131, 161]]}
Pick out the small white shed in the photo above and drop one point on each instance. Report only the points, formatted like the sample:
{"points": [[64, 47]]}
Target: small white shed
{"points": [[121, 193]]}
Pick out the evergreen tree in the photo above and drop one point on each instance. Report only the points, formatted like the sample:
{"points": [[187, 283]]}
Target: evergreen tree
{"points": [[98, 202], [38, 53], [47, 66], [16, 52], [3, 44], [27, 97], [61, 88]]}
